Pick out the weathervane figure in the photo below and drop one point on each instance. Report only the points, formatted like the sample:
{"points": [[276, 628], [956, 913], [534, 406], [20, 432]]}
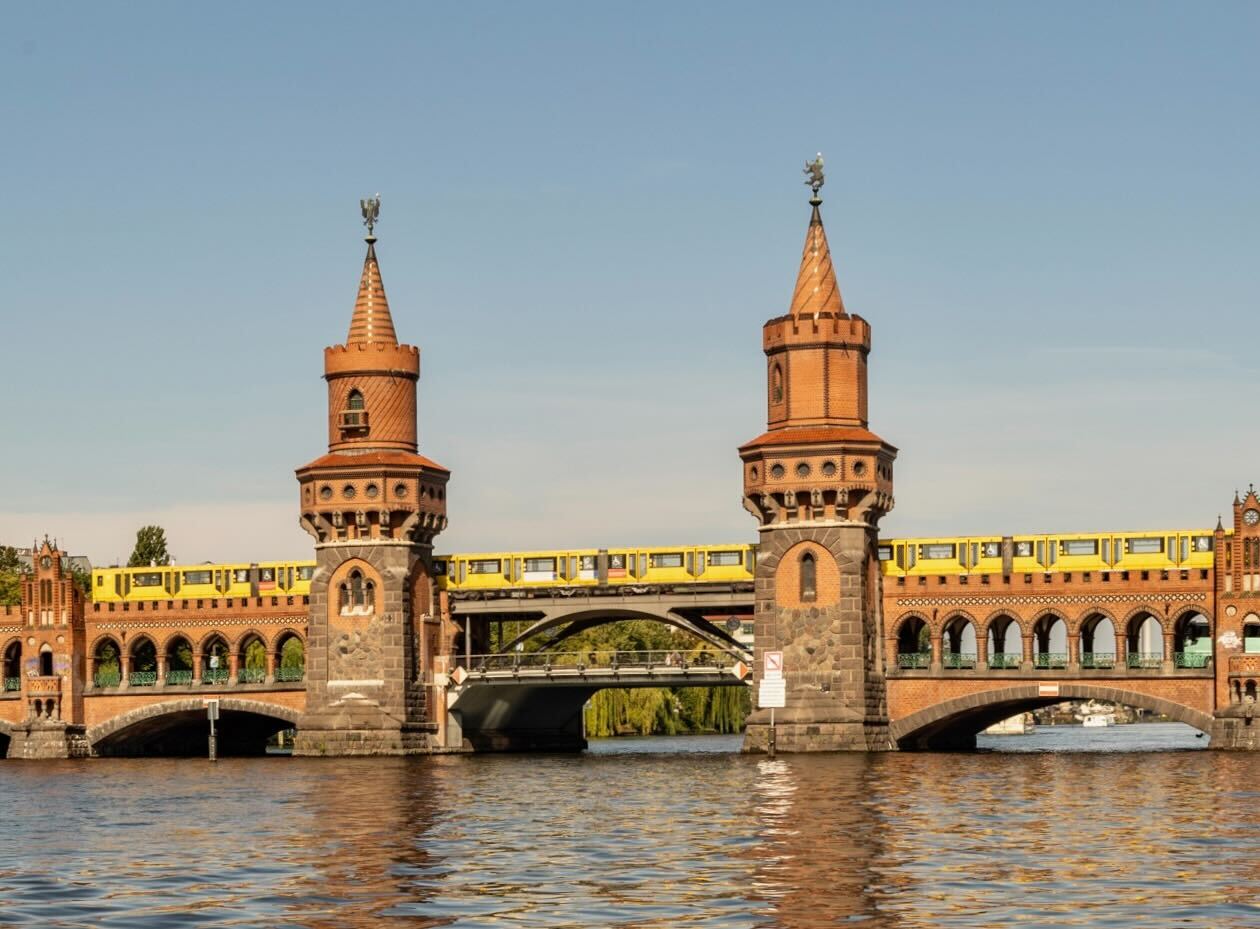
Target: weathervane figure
{"points": [[371, 212], [814, 176]]}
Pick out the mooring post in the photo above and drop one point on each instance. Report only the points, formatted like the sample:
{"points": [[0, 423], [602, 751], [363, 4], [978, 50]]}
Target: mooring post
{"points": [[771, 744]]}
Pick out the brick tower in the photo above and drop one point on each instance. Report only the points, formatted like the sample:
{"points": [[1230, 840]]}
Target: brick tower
{"points": [[53, 650], [1237, 593], [818, 482], [373, 506]]}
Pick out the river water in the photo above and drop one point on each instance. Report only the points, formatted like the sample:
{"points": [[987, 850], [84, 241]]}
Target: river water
{"points": [[1063, 827]]}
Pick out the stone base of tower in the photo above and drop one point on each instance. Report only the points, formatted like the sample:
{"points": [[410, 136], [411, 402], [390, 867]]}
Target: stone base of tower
{"points": [[817, 725], [340, 734], [1234, 731], [48, 739]]}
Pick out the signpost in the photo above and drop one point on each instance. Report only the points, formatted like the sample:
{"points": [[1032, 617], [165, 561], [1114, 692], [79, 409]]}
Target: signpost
{"points": [[212, 713], [772, 691]]}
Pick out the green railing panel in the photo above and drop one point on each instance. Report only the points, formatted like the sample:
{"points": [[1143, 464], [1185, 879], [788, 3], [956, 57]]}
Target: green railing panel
{"points": [[12, 683], [179, 677], [1005, 660], [251, 675], [1147, 660], [1191, 659], [215, 676], [108, 678], [1095, 660], [1050, 660], [958, 661], [909, 660], [289, 675], [142, 678]]}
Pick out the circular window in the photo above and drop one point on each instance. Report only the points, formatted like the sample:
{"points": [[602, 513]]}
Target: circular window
{"points": [[802, 470], [777, 471], [325, 492], [859, 468], [348, 491], [400, 490], [372, 491], [829, 469]]}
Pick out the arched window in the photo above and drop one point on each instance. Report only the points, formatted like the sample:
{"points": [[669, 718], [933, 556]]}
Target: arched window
{"points": [[354, 401], [46, 662], [356, 589], [776, 384], [809, 578]]}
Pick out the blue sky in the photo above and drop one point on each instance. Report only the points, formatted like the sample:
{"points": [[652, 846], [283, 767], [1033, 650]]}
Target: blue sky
{"points": [[1047, 212]]}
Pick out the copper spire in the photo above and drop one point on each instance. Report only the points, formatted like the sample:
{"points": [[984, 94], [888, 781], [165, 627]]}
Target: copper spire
{"points": [[371, 323], [816, 288]]}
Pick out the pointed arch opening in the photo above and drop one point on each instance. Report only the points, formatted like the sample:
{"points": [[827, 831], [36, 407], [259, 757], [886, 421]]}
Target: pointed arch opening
{"points": [[179, 661], [13, 666], [1005, 640], [142, 669], [1050, 643], [215, 661], [1098, 642], [809, 578], [776, 383], [1192, 640], [252, 660], [290, 658], [958, 644], [914, 644], [1144, 640], [46, 661], [106, 663]]}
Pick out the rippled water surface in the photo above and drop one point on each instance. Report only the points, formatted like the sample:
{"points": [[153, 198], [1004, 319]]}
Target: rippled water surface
{"points": [[646, 833]]}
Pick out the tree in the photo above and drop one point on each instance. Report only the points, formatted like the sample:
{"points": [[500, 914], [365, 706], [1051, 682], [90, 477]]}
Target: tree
{"points": [[150, 548], [11, 571]]}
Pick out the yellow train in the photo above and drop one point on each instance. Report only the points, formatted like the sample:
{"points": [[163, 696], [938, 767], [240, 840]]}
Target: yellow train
{"points": [[1172, 549]]}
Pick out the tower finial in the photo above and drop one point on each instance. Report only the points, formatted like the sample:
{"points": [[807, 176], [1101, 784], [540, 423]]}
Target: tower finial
{"points": [[371, 213], [814, 178]]}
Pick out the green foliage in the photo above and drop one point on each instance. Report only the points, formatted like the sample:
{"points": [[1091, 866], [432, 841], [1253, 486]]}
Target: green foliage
{"points": [[181, 657], [255, 655], [654, 710], [82, 580], [11, 571], [292, 654], [107, 663], [150, 548]]}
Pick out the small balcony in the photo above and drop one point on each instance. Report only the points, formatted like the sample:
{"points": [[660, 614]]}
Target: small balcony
{"points": [[353, 422]]}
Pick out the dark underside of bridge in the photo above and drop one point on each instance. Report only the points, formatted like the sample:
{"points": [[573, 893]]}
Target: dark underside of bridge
{"points": [[186, 734], [959, 731]]}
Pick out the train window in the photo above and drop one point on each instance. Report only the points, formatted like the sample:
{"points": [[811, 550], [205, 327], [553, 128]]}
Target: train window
{"points": [[588, 562], [665, 560], [485, 566], [992, 549], [1023, 549], [240, 576], [198, 577], [1079, 547], [885, 553], [147, 579], [100, 580], [937, 551], [1143, 546], [1202, 543], [533, 565], [726, 559], [306, 572], [616, 565]]}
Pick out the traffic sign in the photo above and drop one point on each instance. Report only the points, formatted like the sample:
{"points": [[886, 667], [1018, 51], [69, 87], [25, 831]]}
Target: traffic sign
{"points": [[741, 670], [772, 666], [458, 675], [772, 693]]}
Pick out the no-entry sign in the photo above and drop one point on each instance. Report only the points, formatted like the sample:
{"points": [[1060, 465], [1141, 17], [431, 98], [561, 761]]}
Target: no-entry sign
{"points": [[772, 666]]}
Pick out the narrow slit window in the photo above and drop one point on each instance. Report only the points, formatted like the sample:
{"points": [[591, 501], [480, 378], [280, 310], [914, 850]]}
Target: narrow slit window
{"points": [[809, 578]]}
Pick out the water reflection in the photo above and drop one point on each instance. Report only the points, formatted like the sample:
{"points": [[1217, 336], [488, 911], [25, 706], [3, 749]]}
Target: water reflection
{"points": [[649, 833]]}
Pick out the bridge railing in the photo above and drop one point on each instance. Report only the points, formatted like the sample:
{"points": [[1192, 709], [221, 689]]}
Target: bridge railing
{"points": [[598, 659]]}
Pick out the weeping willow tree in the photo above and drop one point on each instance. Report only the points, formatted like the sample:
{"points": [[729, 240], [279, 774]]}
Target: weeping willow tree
{"points": [[657, 710]]}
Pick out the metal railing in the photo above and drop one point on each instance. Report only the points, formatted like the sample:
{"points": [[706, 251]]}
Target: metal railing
{"points": [[12, 683], [1097, 660], [909, 661], [1005, 661], [251, 675], [142, 678], [179, 677], [216, 676], [1146, 660], [289, 675], [1191, 659], [107, 678], [595, 660], [956, 661], [1045, 660]]}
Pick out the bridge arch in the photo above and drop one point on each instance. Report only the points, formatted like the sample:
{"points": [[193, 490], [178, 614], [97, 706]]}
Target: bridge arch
{"points": [[6, 737], [180, 727], [579, 620], [955, 723]]}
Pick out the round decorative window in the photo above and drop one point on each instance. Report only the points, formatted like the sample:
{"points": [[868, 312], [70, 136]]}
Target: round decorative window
{"points": [[372, 491], [777, 471], [802, 470], [325, 492], [400, 490], [859, 468], [348, 491]]}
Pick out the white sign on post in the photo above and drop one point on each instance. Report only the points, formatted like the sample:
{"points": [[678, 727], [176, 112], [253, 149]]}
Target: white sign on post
{"points": [[771, 694], [772, 666]]}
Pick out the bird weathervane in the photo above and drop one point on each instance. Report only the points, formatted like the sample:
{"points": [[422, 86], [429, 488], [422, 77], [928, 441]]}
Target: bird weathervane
{"points": [[371, 212], [814, 176]]}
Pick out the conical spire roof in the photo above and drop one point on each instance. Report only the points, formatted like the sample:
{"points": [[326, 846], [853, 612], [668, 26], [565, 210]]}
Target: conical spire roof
{"points": [[816, 288], [371, 323]]}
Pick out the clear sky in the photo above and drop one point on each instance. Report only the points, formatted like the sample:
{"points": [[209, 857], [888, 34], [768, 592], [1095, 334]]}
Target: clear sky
{"points": [[1048, 212]]}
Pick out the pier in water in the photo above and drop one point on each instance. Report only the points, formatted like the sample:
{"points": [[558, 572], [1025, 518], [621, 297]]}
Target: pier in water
{"points": [[1063, 827]]}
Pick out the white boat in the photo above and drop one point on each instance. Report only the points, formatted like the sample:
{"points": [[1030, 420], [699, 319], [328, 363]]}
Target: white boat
{"points": [[1094, 720]]}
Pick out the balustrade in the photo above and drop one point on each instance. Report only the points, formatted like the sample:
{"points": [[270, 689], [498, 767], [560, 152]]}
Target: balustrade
{"points": [[289, 675], [1050, 660], [179, 677], [252, 675], [1005, 661], [955, 661], [908, 661], [142, 678], [1145, 661], [12, 683], [1097, 660], [1193, 660]]}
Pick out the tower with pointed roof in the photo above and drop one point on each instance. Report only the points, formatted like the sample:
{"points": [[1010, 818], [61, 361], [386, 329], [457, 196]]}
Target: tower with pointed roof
{"points": [[818, 481], [373, 504]]}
